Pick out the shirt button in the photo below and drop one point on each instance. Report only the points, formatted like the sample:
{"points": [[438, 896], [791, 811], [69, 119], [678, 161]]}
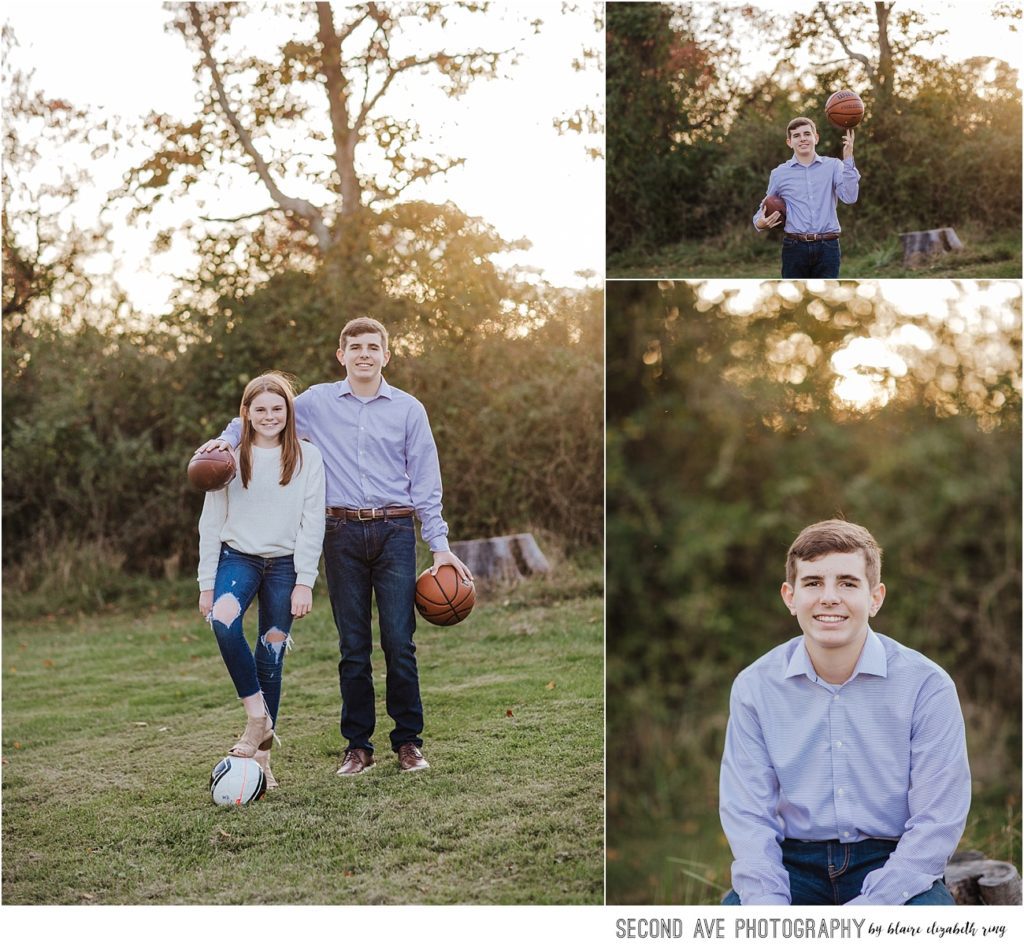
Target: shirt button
{"points": [[906, 895], [840, 791], [839, 743], [835, 697], [846, 835]]}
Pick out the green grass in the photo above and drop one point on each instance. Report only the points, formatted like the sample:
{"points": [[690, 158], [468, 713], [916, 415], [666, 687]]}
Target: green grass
{"points": [[742, 254], [112, 723]]}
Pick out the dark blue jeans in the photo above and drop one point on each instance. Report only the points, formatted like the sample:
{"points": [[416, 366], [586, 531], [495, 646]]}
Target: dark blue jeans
{"points": [[375, 557], [240, 579], [810, 261], [832, 873]]}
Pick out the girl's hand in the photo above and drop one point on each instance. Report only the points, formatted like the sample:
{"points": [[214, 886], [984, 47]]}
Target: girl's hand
{"points": [[206, 603], [302, 601]]}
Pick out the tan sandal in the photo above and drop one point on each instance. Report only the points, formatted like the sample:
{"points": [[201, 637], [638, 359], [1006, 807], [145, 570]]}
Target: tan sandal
{"points": [[258, 735], [262, 757]]}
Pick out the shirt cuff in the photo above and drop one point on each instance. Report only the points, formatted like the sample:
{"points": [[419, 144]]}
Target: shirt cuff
{"points": [[439, 545], [764, 899], [305, 579]]}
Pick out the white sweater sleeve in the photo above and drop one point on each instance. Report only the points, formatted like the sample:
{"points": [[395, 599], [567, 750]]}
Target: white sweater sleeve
{"points": [[215, 513], [310, 539]]}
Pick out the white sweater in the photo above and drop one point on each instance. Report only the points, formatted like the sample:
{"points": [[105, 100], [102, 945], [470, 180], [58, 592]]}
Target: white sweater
{"points": [[267, 519]]}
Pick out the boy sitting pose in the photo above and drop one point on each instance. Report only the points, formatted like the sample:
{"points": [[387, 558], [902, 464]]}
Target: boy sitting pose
{"points": [[844, 779], [810, 184]]}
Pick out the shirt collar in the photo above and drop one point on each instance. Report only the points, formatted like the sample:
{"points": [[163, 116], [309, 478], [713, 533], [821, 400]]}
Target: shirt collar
{"points": [[794, 161], [344, 388], [872, 660]]}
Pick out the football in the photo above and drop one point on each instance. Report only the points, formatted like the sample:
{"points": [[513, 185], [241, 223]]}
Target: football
{"points": [[774, 203], [211, 470]]}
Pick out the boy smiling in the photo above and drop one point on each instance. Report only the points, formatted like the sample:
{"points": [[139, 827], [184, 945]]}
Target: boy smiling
{"points": [[844, 778], [810, 185]]}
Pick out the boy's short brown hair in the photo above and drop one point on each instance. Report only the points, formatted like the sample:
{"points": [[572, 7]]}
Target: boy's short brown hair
{"points": [[359, 326], [835, 536], [797, 122]]}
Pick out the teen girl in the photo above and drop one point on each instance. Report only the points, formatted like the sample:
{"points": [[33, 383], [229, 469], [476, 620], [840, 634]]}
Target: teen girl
{"points": [[262, 536]]}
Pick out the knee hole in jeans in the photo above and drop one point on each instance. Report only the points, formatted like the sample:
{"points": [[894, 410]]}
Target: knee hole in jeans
{"points": [[226, 609], [277, 641]]}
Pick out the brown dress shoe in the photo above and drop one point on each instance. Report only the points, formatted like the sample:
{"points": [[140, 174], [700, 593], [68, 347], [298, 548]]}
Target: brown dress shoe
{"points": [[410, 758], [356, 761]]}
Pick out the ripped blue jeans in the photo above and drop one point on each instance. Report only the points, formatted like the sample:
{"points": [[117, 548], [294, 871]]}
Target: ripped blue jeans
{"points": [[242, 577]]}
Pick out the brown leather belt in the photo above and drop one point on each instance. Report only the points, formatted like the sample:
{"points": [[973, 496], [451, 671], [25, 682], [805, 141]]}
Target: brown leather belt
{"points": [[370, 513], [811, 238]]}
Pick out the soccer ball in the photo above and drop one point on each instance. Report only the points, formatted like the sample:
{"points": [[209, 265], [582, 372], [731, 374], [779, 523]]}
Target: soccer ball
{"points": [[236, 781]]}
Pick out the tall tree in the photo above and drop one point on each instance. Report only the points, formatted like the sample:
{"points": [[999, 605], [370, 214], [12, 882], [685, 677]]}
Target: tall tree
{"points": [[317, 123]]}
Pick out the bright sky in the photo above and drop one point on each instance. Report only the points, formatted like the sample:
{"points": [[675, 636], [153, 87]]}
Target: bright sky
{"points": [[519, 175], [971, 29], [963, 305]]}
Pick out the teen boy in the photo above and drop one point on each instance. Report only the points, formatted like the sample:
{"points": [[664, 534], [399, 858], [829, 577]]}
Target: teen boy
{"points": [[844, 779], [381, 468], [810, 185]]}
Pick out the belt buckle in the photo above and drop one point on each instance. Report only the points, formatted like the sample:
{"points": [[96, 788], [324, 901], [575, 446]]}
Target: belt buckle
{"points": [[811, 238], [361, 518]]}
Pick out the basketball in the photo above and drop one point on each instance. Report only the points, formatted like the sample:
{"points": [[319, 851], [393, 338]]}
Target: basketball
{"points": [[211, 470], [236, 781], [443, 599], [844, 109], [774, 203]]}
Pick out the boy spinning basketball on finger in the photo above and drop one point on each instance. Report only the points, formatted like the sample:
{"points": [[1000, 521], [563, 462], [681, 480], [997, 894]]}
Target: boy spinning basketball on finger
{"points": [[844, 778], [810, 185]]}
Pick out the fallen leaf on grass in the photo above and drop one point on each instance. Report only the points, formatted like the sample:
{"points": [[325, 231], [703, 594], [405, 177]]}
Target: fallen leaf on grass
{"points": [[4, 761], [13, 670], [223, 832], [141, 723], [508, 713], [550, 686], [163, 729], [17, 745], [47, 663]]}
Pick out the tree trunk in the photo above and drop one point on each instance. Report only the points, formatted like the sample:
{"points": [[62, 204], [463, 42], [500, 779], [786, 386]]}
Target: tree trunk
{"points": [[502, 559], [883, 77], [974, 880], [921, 245]]}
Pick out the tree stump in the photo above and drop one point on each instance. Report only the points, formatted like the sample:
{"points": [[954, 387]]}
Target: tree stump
{"points": [[974, 880], [920, 246], [502, 559]]}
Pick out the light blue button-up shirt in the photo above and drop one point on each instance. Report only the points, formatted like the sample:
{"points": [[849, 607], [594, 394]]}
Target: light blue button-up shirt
{"points": [[810, 192], [882, 755], [378, 451]]}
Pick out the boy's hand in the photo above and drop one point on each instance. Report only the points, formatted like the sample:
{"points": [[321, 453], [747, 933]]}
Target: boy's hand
{"points": [[211, 444], [772, 220], [440, 559], [302, 601], [848, 144]]}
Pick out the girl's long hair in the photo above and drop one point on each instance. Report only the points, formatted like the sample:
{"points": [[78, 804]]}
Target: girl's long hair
{"points": [[291, 451]]}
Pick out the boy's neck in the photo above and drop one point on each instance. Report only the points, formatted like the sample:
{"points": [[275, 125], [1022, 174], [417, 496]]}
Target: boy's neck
{"points": [[365, 389], [835, 665], [809, 160]]}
